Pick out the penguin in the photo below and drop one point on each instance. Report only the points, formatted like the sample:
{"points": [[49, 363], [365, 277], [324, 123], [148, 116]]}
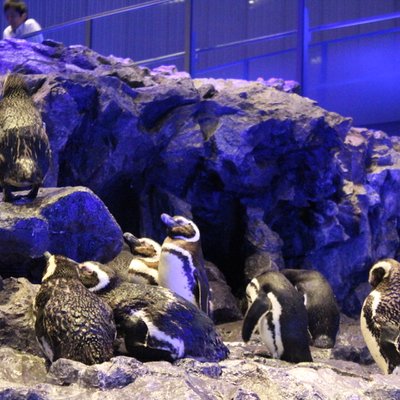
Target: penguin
{"points": [[276, 308], [70, 321], [322, 309], [143, 267], [155, 323], [181, 266], [380, 315], [24, 146]]}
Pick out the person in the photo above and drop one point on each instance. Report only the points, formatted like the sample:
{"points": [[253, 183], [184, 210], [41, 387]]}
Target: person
{"points": [[16, 13]]}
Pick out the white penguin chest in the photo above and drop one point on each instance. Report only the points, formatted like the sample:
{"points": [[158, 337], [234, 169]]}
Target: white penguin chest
{"points": [[270, 328], [176, 272]]}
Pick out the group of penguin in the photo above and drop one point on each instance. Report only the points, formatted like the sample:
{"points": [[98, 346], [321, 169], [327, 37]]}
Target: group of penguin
{"points": [[157, 298]]}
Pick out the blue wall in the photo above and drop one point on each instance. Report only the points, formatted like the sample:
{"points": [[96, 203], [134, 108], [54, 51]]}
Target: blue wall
{"points": [[351, 70]]}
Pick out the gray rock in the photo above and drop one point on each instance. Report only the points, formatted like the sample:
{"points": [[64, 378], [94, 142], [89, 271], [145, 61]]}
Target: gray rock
{"points": [[16, 316], [116, 373], [224, 305], [69, 221]]}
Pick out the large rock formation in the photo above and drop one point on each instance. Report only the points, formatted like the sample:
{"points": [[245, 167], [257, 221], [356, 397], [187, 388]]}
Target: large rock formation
{"points": [[271, 179]]}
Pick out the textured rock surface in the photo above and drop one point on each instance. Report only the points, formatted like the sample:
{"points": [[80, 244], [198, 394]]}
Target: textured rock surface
{"points": [[343, 373], [69, 221], [271, 179]]}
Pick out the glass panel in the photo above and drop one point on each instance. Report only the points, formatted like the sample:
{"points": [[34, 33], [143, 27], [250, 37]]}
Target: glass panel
{"points": [[225, 22], [142, 34], [352, 70]]}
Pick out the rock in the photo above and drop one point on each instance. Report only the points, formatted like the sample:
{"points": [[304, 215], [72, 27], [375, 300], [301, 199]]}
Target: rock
{"points": [[116, 373], [69, 221], [224, 305], [16, 316]]}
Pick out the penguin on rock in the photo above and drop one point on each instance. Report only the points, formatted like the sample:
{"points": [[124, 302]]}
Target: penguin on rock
{"points": [[322, 308], [24, 145], [181, 266], [380, 315], [71, 322], [155, 323], [276, 308], [143, 266]]}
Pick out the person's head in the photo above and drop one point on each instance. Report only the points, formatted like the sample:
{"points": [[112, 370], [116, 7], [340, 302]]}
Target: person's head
{"points": [[16, 13]]}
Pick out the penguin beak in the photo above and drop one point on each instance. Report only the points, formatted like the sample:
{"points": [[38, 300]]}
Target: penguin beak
{"points": [[131, 239], [168, 220]]}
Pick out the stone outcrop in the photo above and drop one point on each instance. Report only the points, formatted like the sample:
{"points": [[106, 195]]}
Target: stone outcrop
{"points": [[69, 221], [272, 179]]}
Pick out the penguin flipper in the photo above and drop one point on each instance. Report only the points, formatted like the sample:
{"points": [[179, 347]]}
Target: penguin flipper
{"points": [[202, 292], [390, 345], [258, 308], [136, 342]]}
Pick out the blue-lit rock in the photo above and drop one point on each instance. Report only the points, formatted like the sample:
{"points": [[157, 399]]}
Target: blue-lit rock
{"points": [[69, 221], [147, 142]]}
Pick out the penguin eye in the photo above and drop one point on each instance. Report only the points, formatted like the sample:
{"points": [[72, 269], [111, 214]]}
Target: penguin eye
{"points": [[86, 271]]}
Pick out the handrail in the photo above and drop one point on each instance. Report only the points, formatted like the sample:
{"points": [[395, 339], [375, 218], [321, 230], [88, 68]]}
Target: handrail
{"points": [[97, 16], [336, 25], [248, 41], [160, 58], [355, 22]]}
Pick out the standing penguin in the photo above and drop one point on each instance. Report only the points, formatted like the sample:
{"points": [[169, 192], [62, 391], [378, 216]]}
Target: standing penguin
{"points": [[143, 266], [277, 309], [319, 299], [380, 315], [71, 322], [181, 267], [156, 323], [24, 146]]}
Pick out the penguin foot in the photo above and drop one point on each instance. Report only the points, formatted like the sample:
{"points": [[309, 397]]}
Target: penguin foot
{"points": [[323, 342], [33, 192], [9, 197]]}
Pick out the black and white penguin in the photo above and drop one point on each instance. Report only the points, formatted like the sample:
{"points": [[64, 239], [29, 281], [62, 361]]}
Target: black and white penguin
{"points": [[322, 308], [24, 145], [156, 323], [181, 266], [276, 308], [380, 315], [143, 267], [71, 322]]}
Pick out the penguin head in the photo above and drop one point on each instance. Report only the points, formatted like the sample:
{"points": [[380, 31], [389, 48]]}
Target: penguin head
{"points": [[58, 266], [179, 227], [95, 276], [143, 247], [381, 271], [252, 290]]}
